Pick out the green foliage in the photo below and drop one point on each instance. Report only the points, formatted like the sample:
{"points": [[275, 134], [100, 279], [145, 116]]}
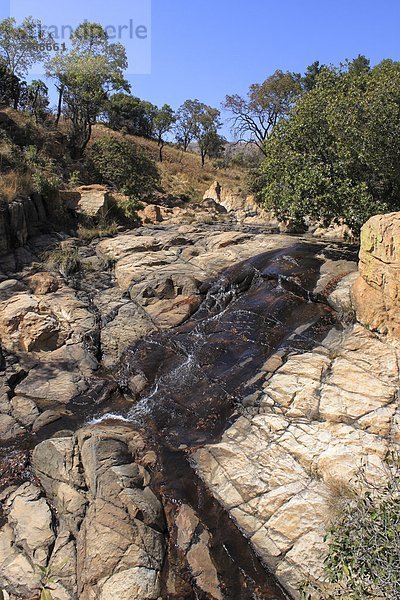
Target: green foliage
{"points": [[337, 155], [46, 179], [363, 559], [254, 117], [74, 179], [86, 75], [359, 65], [64, 260], [129, 208], [163, 122], [125, 167], [21, 46], [207, 122], [200, 122], [130, 114], [11, 155], [186, 123], [10, 87], [47, 580], [37, 100], [310, 78]]}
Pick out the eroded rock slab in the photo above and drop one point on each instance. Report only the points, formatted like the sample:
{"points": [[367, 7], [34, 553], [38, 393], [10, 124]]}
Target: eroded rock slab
{"points": [[376, 294], [100, 528], [323, 414]]}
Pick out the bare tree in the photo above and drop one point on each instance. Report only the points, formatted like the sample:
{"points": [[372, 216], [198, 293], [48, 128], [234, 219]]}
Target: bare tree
{"points": [[254, 117], [164, 120]]}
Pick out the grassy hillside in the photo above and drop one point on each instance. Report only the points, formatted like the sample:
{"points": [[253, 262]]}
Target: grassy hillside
{"points": [[34, 157], [181, 172]]}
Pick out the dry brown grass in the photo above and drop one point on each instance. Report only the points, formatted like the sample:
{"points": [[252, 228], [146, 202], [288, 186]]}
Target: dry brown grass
{"points": [[340, 493], [19, 117], [14, 185], [102, 230], [181, 172]]}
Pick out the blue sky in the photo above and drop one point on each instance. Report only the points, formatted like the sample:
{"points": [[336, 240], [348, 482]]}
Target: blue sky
{"points": [[210, 48]]}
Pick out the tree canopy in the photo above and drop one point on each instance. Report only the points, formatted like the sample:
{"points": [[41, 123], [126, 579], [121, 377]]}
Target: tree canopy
{"points": [[131, 114], [86, 75], [337, 154], [22, 46], [125, 167], [163, 122], [254, 117]]}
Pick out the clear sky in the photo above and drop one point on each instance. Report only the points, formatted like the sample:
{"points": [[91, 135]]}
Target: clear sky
{"points": [[206, 49], [210, 48]]}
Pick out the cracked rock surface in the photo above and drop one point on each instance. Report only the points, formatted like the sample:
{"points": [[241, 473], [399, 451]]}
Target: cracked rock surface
{"points": [[89, 514], [99, 527], [322, 415]]}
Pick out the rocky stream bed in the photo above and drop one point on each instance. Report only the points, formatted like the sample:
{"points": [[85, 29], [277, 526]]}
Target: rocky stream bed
{"points": [[173, 418]]}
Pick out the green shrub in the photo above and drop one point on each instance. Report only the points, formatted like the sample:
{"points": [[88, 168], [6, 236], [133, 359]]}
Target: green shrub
{"points": [[64, 260], [74, 179], [46, 180], [363, 559], [125, 167], [337, 155]]}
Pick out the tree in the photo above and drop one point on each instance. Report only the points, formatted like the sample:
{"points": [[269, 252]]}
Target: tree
{"points": [[186, 123], [207, 123], [38, 99], [86, 76], [254, 118], [125, 167], [163, 122], [337, 155], [22, 46], [359, 65], [212, 145], [309, 80], [135, 116], [10, 87]]}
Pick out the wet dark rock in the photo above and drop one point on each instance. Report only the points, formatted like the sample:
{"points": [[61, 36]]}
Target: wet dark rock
{"points": [[186, 319]]}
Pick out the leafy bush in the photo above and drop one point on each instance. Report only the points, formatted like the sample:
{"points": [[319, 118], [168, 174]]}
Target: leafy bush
{"points": [[45, 178], [131, 114], [125, 167], [363, 559], [337, 155], [74, 179]]}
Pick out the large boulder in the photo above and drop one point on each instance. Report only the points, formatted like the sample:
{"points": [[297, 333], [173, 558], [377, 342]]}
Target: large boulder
{"points": [[21, 220], [231, 201], [376, 293], [89, 200], [150, 214], [43, 322], [100, 529]]}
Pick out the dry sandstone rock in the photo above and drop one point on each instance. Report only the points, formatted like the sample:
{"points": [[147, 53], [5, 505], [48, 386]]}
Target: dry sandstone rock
{"points": [[376, 293]]}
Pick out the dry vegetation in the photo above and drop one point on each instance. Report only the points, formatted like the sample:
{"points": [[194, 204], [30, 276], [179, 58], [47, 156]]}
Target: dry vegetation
{"points": [[181, 172], [14, 185]]}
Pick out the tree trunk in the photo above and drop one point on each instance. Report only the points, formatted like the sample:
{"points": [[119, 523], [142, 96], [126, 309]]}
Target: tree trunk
{"points": [[87, 138], [59, 106], [161, 146]]}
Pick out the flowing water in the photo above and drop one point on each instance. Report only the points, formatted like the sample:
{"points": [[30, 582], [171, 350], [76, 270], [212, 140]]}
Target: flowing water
{"points": [[201, 376], [204, 373]]}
